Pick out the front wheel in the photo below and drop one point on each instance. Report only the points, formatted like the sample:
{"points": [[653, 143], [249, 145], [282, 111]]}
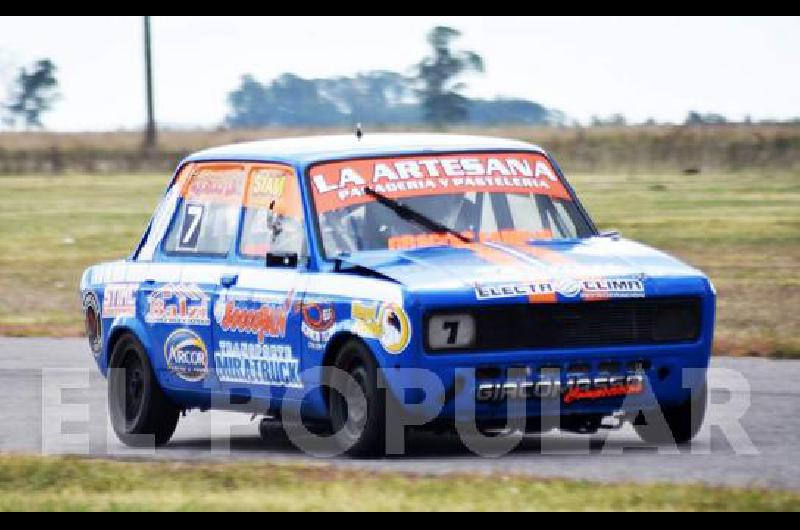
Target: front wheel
{"points": [[357, 406], [683, 421], [141, 414]]}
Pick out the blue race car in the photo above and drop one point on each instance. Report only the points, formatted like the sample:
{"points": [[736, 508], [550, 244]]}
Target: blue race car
{"points": [[442, 278]]}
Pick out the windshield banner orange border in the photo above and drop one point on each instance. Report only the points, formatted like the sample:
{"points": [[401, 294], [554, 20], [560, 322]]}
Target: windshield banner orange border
{"points": [[338, 185]]}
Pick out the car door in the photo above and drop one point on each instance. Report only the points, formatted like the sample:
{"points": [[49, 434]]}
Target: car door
{"points": [[192, 261], [256, 312]]}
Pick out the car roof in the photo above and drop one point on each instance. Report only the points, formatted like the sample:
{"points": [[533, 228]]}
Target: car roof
{"points": [[308, 150]]}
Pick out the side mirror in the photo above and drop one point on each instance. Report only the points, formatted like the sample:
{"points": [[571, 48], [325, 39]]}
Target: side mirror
{"points": [[283, 260]]}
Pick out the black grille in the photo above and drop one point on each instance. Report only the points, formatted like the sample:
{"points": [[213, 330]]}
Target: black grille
{"points": [[591, 324]]}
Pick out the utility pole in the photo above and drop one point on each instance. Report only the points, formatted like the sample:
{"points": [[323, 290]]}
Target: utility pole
{"points": [[150, 129]]}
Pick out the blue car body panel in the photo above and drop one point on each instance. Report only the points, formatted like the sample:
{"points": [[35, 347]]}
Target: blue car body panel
{"points": [[196, 330]]}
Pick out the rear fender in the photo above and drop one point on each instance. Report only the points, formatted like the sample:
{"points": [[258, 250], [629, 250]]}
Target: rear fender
{"points": [[116, 330]]}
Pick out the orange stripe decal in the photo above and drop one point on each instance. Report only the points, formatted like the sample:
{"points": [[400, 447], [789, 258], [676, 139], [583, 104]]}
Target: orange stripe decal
{"points": [[549, 298]]}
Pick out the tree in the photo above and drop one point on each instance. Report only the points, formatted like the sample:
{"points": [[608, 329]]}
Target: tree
{"points": [[289, 100], [615, 120], [440, 95], [371, 98], [380, 98], [506, 111], [34, 93], [697, 118]]}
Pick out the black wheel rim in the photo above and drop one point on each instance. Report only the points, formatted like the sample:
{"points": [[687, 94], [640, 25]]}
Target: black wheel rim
{"points": [[134, 387]]}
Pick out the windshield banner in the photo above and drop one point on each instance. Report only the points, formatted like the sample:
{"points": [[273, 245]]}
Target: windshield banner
{"points": [[339, 185]]}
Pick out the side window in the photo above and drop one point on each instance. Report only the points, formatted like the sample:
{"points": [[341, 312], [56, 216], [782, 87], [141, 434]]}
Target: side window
{"points": [[163, 214], [208, 217], [273, 219]]}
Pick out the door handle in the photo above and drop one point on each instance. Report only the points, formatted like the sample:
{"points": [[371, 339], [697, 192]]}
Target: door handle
{"points": [[229, 280]]}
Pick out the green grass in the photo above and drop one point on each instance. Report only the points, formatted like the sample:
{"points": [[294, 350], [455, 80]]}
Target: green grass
{"points": [[743, 229], [51, 228], [36, 483]]}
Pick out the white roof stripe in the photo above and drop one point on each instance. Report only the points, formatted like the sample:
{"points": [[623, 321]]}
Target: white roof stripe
{"points": [[317, 148]]}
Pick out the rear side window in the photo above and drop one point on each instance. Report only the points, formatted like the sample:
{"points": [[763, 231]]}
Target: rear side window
{"points": [[207, 220]]}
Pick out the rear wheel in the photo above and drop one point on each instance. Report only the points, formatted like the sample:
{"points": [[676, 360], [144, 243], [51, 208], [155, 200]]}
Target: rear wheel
{"points": [[683, 421], [141, 414], [358, 407]]}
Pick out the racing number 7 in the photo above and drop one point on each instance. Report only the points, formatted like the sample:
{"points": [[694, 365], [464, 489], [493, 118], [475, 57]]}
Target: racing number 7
{"points": [[190, 229], [452, 329]]}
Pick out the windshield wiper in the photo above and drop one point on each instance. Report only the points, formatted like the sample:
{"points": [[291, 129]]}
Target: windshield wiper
{"points": [[408, 214]]}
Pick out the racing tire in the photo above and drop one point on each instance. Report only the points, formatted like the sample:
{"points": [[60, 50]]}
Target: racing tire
{"points": [[684, 421], [270, 430], [360, 432], [141, 414]]}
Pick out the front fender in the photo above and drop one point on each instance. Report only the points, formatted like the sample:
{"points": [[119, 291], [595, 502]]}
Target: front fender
{"points": [[384, 327]]}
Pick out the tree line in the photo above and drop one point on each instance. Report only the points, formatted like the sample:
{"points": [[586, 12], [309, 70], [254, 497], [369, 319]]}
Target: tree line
{"points": [[433, 94]]}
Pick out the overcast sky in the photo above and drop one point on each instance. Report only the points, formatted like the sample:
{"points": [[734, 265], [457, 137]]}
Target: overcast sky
{"points": [[640, 67]]}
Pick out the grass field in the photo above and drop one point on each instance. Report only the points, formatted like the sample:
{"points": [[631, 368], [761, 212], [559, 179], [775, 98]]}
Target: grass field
{"points": [[35, 483], [741, 228]]}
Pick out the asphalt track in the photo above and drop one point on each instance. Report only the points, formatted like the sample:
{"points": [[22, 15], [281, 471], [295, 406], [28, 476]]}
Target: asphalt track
{"points": [[43, 379]]}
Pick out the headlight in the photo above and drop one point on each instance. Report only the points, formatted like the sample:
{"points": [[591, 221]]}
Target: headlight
{"points": [[451, 332]]}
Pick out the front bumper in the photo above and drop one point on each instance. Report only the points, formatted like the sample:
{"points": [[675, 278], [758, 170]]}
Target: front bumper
{"points": [[672, 372], [446, 387]]}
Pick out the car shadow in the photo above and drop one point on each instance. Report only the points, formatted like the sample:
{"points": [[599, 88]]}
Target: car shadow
{"points": [[422, 446]]}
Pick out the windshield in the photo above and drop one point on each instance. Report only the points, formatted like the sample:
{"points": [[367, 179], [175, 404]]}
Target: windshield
{"points": [[414, 202]]}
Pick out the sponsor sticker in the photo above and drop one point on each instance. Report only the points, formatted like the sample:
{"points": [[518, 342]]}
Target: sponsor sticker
{"points": [[257, 364], [186, 305], [586, 289], [571, 390], [266, 186], [319, 319], [341, 184], [386, 322], [602, 289], [217, 184], [186, 355], [568, 287], [262, 319], [632, 387], [509, 237], [119, 300], [92, 321], [512, 290], [274, 188]]}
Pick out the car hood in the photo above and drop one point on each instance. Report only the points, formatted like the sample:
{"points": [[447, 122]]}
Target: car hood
{"points": [[498, 264]]}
